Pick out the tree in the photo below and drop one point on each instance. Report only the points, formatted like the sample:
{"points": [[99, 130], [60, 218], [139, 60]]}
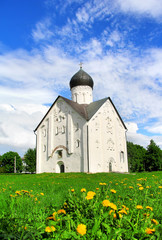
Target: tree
{"points": [[7, 162], [30, 160], [153, 158], [136, 157]]}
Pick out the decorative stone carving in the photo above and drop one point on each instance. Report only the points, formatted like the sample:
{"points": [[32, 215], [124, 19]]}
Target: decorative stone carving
{"points": [[110, 145]]}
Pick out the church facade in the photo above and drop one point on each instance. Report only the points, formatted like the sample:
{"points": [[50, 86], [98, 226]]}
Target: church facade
{"points": [[80, 135]]}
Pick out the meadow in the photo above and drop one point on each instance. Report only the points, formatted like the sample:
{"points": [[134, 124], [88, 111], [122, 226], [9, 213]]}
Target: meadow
{"points": [[103, 206]]}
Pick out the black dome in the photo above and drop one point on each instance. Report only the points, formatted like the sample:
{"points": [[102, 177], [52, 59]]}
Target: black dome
{"points": [[81, 78]]}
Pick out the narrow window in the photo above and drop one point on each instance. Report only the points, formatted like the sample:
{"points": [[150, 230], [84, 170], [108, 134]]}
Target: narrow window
{"points": [[121, 156], [59, 153], [77, 143], [77, 126], [63, 129], [56, 130], [44, 148]]}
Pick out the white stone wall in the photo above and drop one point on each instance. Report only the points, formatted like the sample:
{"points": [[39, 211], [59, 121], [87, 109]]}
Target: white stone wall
{"points": [[82, 94], [107, 142], [60, 140]]}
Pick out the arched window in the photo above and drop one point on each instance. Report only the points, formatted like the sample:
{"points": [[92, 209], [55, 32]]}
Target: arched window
{"points": [[77, 143], [121, 156]]}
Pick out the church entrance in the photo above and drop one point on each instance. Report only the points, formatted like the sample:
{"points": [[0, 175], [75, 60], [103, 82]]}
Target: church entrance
{"points": [[60, 167], [110, 166]]}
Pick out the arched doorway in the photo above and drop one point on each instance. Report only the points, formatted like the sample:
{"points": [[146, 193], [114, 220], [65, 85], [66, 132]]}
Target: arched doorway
{"points": [[110, 166], [60, 167]]}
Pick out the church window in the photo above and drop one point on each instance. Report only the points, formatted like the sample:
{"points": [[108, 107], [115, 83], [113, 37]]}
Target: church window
{"points": [[44, 148], [44, 132], [56, 130], [77, 143], [63, 129], [75, 98], [83, 97], [77, 126], [59, 153], [59, 119], [121, 156]]}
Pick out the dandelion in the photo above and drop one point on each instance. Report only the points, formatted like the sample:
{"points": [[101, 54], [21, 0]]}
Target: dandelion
{"points": [[130, 187], [61, 211], [141, 188], [36, 199], [106, 203], [150, 231], [111, 211], [139, 207], [81, 229], [90, 195], [72, 190], [148, 207], [114, 215], [102, 184], [160, 186], [113, 191], [50, 229], [123, 211], [113, 206], [42, 194], [83, 190], [97, 188], [154, 221]]}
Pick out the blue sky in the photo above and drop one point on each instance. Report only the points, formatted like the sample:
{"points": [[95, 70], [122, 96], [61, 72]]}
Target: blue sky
{"points": [[42, 44]]}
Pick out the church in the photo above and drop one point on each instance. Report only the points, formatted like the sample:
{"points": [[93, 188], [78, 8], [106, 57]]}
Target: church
{"points": [[80, 135]]}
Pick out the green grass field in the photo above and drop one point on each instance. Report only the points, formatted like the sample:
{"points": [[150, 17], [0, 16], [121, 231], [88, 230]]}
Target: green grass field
{"points": [[28, 201]]}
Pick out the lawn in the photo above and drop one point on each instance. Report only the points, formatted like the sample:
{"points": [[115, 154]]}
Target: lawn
{"points": [[80, 206]]}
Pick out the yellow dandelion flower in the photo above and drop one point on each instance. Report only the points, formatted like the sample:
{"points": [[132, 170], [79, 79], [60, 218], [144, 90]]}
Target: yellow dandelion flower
{"points": [[123, 211], [141, 188], [81, 229], [42, 194], [154, 221], [150, 231], [90, 195], [148, 207], [110, 182], [97, 188], [50, 229], [83, 190], [106, 203], [113, 206], [139, 184], [61, 211], [114, 216], [130, 199], [116, 183], [102, 184], [111, 211], [113, 191], [36, 199], [160, 187], [139, 207], [72, 190], [130, 187]]}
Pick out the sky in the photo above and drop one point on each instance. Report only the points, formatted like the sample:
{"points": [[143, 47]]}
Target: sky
{"points": [[42, 43]]}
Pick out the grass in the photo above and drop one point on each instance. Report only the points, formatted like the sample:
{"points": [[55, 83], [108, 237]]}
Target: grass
{"points": [[27, 200]]}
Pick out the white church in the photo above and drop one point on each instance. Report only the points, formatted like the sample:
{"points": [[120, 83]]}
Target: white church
{"points": [[80, 135]]}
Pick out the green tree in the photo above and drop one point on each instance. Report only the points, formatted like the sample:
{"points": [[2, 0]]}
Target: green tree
{"points": [[7, 162], [136, 157], [153, 158], [30, 160]]}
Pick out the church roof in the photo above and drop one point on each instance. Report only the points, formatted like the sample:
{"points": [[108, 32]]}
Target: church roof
{"points": [[81, 78], [85, 110]]}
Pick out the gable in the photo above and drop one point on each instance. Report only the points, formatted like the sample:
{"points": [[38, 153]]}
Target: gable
{"points": [[87, 111]]}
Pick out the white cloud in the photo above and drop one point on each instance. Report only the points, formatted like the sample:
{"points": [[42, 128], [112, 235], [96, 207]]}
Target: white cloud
{"points": [[41, 31], [149, 7]]}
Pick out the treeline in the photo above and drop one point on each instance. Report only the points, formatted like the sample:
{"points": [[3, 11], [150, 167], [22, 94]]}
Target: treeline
{"points": [[25, 165], [141, 159]]}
